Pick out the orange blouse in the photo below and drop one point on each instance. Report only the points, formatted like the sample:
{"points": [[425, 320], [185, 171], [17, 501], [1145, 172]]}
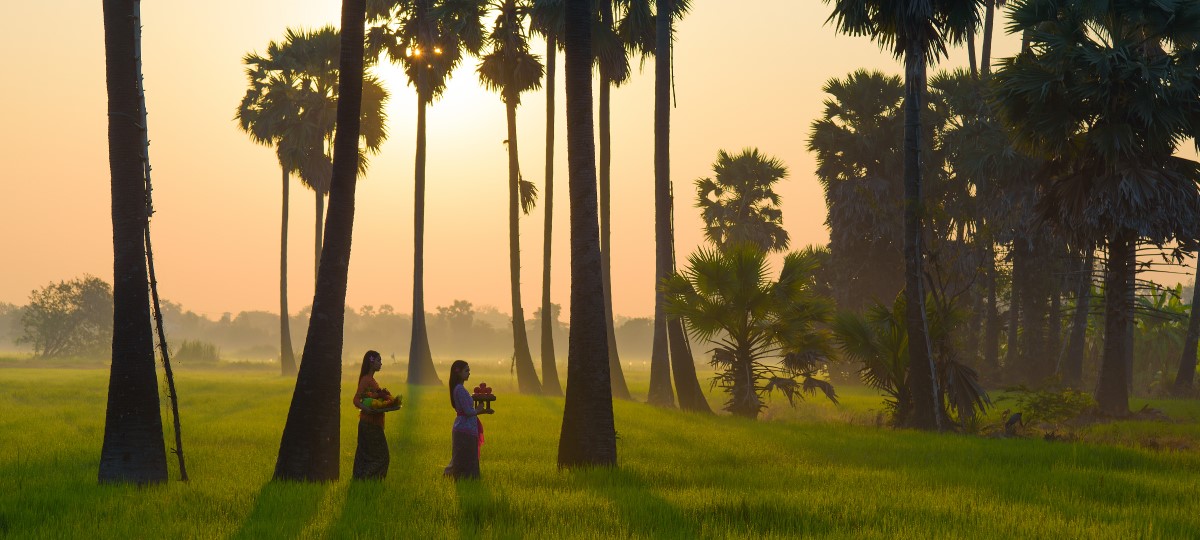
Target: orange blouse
{"points": [[367, 387]]}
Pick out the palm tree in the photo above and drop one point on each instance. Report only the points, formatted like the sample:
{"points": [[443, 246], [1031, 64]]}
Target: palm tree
{"points": [[291, 104], [427, 38], [588, 436], [1097, 93], [859, 161], [511, 70], [133, 448], [918, 31], [670, 345], [726, 298], [546, 18], [309, 448], [739, 205], [613, 66]]}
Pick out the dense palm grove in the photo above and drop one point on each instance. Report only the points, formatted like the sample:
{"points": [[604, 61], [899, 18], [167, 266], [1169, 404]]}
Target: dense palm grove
{"points": [[985, 225]]}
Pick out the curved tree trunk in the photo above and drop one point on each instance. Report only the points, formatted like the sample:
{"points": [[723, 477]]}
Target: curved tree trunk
{"points": [[619, 388], [588, 436], [1112, 393], [133, 449], [527, 379], [420, 358], [1072, 371], [660, 360], [1187, 361], [309, 448], [971, 54], [985, 58], [550, 384], [922, 384], [287, 358]]}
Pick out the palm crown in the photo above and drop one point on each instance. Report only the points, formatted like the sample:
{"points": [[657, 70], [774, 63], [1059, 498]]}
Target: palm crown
{"points": [[739, 204]]}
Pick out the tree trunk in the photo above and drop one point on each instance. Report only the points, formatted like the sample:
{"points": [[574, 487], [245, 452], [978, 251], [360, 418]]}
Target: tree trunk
{"points": [[319, 223], [660, 361], [420, 358], [1072, 372], [309, 449], [133, 449], [527, 379], [287, 358], [1054, 341], [683, 367], [971, 54], [991, 337], [1112, 393], [1187, 360], [922, 384], [985, 59], [550, 384], [588, 436], [619, 388], [1011, 353]]}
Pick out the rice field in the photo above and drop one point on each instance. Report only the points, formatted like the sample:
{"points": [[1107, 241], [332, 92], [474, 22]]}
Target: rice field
{"points": [[816, 471]]}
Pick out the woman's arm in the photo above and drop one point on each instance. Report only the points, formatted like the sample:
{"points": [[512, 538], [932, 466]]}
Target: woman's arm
{"points": [[365, 385]]}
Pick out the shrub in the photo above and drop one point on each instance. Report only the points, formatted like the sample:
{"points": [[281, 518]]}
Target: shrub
{"points": [[197, 352]]}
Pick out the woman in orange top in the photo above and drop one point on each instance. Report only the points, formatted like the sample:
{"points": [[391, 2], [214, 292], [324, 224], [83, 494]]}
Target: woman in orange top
{"points": [[371, 459]]}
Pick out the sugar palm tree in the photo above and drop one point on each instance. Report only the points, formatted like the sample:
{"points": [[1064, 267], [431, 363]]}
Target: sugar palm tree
{"points": [[613, 67], [588, 436], [670, 351], [510, 69], [765, 334], [1099, 95], [739, 204], [309, 448], [859, 165], [919, 32], [547, 19], [133, 448], [427, 38]]}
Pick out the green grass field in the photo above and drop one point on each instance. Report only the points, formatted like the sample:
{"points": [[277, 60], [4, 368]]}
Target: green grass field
{"points": [[813, 471]]}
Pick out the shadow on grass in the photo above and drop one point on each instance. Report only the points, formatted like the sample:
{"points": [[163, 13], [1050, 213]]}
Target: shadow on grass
{"points": [[477, 512], [643, 513], [283, 509]]}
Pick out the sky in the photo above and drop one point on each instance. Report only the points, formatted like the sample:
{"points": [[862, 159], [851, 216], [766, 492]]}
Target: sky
{"points": [[747, 74]]}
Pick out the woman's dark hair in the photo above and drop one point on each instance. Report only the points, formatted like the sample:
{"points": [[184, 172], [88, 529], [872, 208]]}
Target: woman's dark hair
{"points": [[455, 378], [366, 365]]}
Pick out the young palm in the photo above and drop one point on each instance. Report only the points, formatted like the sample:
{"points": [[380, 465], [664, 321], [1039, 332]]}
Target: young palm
{"points": [[512, 70], [765, 334], [1099, 95], [428, 39], [309, 448], [547, 17], [918, 31]]}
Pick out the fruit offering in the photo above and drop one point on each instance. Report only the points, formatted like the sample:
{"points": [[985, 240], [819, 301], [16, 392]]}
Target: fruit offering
{"points": [[482, 396]]}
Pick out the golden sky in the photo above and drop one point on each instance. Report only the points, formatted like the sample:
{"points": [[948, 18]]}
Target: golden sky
{"points": [[748, 73]]}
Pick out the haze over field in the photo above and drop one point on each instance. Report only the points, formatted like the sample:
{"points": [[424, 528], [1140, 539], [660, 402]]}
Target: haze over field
{"points": [[744, 77]]}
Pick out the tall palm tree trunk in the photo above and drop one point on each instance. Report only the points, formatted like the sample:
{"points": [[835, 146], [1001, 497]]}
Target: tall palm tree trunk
{"points": [[660, 361], [1187, 360], [991, 333], [971, 54], [1072, 371], [620, 389], [922, 384], [133, 449], [588, 436], [1112, 393], [1016, 291], [420, 358], [989, 17], [287, 358], [527, 379], [319, 223], [550, 384], [309, 448]]}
